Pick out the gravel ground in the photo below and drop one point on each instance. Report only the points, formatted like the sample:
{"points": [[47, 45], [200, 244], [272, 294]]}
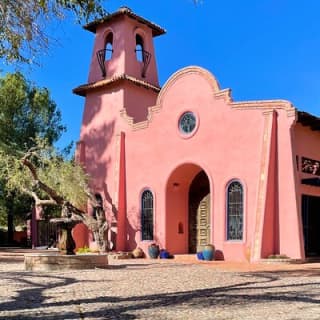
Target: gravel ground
{"points": [[147, 289]]}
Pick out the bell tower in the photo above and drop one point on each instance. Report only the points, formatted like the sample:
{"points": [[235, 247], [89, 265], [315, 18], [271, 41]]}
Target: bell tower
{"points": [[122, 84], [124, 56], [123, 46]]}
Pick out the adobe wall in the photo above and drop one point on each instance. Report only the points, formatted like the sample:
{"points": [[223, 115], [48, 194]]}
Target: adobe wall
{"points": [[227, 145]]}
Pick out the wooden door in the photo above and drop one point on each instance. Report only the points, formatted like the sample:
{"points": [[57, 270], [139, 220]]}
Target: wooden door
{"points": [[199, 212], [203, 223], [311, 225], [199, 223]]}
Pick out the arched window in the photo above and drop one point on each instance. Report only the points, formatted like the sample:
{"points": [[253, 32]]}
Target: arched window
{"points": [[147, 215], [109, 46], [105, 54], [235, 211], [142, 55], [139, 48]]}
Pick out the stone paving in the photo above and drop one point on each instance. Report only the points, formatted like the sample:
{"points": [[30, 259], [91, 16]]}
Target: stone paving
{"points": [[157, 289]]}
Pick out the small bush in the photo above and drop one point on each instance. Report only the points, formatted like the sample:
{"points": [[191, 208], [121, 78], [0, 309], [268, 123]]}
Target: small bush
{"points": [[85, 249]]}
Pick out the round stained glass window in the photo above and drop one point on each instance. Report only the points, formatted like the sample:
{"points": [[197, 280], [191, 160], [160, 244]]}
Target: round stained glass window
{"points": [[187, 122]]}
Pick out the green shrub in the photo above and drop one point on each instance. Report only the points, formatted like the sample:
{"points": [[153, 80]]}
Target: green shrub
{"points": [[85, 249]]}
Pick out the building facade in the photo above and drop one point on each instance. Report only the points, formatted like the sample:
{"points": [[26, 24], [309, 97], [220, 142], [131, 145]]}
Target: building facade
{"points": [[184, 165]]}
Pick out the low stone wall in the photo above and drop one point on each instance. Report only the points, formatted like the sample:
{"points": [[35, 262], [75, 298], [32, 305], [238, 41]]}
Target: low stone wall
{"points": [[120, 255], [281, 261], [55, 261]]}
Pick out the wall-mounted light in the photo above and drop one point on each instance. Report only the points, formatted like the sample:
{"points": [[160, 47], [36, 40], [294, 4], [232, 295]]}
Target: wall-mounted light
{"points": [[176, 185]]}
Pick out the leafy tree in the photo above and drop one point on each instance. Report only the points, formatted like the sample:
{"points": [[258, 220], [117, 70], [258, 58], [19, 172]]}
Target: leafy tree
{"points": [[23, 24], [50, 180], [26, 113]]}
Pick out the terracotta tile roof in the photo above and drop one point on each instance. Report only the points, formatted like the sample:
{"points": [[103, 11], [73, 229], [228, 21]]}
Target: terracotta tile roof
{"points": [[83, 89], [307, 119], [156, 29]]}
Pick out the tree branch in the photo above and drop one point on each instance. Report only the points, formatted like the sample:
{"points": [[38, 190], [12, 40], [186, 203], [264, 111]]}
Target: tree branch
{"points": [[31, 168], [55, 199], [38, 201], [52, 194]]}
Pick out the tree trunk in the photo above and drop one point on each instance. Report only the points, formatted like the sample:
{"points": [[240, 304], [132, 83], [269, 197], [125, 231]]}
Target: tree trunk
{"points": [[10, 225], [100, 241], [10, 233]]}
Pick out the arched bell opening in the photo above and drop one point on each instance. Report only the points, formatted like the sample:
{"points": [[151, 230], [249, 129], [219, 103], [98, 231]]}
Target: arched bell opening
{"points": [[142, 55], [104, 55]]}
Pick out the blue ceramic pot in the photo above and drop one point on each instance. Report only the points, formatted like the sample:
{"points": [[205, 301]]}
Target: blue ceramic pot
{"points": [[208, 252], [153, 251], [200, 256], [164, 254]]}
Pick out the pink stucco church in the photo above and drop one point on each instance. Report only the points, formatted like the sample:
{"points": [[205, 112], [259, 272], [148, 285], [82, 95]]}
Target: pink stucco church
{"points": [[184, 165]]}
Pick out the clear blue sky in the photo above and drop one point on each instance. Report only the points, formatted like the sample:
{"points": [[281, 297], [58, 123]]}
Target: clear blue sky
{"points": [[261, 49]]}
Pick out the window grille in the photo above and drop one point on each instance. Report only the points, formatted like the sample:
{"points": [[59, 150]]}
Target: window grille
{"points": [[147, 215], [187, 122], [235, 211]]}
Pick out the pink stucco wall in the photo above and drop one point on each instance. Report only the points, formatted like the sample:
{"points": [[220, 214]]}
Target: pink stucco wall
{"points": [[227, 145]]}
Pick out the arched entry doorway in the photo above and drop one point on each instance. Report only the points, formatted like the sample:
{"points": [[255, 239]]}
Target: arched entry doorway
{"points": [[188, 226], [199, 213]]}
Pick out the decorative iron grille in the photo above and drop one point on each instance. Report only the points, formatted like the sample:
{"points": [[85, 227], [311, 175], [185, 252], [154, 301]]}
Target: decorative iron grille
{"points": [[310, 166], [48, 233], [101, 57], [146, 57], [235, 211], [147, 215]]}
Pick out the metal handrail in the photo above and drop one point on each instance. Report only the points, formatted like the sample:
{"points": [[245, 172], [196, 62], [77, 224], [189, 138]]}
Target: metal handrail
{"points": [[146, 57], [101, 57]]}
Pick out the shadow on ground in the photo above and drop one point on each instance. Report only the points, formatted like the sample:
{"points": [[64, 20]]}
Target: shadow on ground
{"points": [[257, 287]]}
